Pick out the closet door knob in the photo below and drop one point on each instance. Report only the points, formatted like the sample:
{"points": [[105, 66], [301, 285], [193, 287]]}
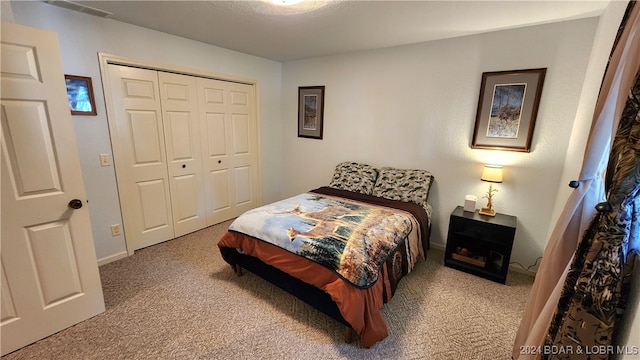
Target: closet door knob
{"points": [[219, 161], [184, 166]]}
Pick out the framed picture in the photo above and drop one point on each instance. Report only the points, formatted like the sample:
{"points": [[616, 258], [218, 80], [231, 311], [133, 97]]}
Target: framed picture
{"points": [[80, 95], [507, 109], [310, 111]]}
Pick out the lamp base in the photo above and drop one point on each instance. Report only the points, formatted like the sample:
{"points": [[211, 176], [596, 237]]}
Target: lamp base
{"points": [[487, 211]]}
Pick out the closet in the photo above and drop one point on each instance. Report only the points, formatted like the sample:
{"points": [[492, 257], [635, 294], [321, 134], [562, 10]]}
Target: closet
{"points": [[185, 151]]}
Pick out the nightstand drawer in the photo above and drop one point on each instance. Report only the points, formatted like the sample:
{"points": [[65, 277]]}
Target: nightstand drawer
{"points": [[496, 234]]}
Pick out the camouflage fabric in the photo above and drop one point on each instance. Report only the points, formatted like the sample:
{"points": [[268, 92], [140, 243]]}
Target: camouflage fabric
{"points": [[404, 185], [597, 285], [352, 176]]}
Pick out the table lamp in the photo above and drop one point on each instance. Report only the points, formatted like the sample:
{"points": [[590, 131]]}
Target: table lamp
{"points": [[491, 174]]}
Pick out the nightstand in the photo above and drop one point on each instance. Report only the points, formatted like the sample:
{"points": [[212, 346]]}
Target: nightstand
{"points": [[479, 244]]}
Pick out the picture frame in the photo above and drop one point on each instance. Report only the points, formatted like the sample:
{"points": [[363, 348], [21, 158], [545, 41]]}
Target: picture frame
{"points": [[80, 95], [507, 109], [310, 111]]}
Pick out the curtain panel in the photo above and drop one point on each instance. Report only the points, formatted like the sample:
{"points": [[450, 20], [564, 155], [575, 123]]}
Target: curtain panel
{"points": [[579, 210], [595, 292]]}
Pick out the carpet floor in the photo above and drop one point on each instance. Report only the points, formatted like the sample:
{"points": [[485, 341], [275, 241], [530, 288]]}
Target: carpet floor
{"points": [[180, 300]]}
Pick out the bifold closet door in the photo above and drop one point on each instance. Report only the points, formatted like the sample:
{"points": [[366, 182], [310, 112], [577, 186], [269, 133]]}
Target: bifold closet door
{"points": [[229, 146], [157, 154], [138, 140], [185, 150], [179, 101]]}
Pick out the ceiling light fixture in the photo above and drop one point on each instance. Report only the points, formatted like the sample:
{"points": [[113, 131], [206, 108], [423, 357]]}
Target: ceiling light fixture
{"points": [[286, 2]]}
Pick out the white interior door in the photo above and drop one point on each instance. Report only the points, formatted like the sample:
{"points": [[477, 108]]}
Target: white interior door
{"points": [[49, 270], [229, 139], [179, 99], [140, 158]]}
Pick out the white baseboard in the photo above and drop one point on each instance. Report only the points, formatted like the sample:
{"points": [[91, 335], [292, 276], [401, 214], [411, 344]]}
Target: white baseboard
{"points": [[512, 267], [112, 258]]}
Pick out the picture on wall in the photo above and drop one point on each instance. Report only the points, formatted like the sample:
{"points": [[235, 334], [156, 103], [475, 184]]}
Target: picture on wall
{"points": [[507, 109], [310, 111], [80, 95]]}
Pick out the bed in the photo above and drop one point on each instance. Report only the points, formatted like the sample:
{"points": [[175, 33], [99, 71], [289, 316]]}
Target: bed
{"points": [[341, 248]]}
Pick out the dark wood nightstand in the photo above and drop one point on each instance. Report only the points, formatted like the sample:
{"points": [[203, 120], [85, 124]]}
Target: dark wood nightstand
{"points": [[479, 244]]}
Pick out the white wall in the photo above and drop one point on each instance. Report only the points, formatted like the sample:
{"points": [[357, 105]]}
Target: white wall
{"points": [[415, 106], [82, 36]]}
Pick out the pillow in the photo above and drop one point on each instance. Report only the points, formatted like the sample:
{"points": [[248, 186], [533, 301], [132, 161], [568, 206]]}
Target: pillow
{"points": [[354, 177], [403, 184]]}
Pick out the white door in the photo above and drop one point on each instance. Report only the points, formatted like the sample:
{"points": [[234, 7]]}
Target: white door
{"points": [[229, 146], [137, 135], [179, 100], [49, 270]]}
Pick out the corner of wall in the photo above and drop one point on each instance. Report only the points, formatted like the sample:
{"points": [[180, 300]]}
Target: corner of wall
{"points": [[608, 24]]}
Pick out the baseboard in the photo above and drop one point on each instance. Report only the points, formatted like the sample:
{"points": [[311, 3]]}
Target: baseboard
{"points": [[512, 267], [518, 269], [112, 258]]}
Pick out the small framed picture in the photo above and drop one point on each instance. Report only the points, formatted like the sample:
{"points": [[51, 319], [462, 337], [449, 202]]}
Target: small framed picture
{"points": [[80, 95], [310, 111], [507, 109]]}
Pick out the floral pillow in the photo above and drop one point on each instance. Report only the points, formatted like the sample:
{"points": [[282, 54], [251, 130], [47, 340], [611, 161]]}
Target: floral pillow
{"points": [[403, 184], [354, 177]]}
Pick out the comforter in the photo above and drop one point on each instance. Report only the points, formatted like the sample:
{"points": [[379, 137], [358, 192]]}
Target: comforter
{"points": [[354, 247]]}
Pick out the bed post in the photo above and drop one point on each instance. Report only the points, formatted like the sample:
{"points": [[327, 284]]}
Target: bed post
{"points": [[348, 334], [238, 269]]}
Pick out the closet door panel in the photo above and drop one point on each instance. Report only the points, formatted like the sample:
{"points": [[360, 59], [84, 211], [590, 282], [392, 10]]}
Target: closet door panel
{"points": [[219, 190], [151, 197], [188, 190], [244, 147], [230, 153], [243, 185], [240, 134], [179, 101], [145, 135], [216, 144], [138, 138]]}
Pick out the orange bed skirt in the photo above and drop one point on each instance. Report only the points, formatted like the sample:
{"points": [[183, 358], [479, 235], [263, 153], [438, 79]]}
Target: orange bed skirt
{"points": [[361, 308]]}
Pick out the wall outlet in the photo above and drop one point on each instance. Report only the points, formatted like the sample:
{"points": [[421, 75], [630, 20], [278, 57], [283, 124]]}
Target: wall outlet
{"points": [[105, 160], [115, 230]]}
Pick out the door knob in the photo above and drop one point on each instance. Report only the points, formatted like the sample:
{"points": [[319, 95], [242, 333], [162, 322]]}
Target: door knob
{"points": [[75, 204]]}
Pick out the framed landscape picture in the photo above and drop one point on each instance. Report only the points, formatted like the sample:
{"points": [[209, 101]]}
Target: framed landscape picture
{"points": [[507, 109], [80, 95], [310, 111]]}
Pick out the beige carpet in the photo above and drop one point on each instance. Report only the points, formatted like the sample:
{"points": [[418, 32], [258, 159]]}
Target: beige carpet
{"points": [[179, 300]]}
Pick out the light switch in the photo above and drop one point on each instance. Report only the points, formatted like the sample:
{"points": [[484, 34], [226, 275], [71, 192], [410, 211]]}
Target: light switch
{"points": [[105, 160]]}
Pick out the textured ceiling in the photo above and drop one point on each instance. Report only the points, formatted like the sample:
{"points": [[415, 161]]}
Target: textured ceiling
{"points": [[318, 28]]}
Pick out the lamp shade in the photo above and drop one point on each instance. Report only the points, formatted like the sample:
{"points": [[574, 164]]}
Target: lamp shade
{"points": [[492, 173]]}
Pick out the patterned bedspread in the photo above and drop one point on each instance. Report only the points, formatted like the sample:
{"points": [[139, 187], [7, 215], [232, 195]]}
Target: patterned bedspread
{"points": [[349, 237]]}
